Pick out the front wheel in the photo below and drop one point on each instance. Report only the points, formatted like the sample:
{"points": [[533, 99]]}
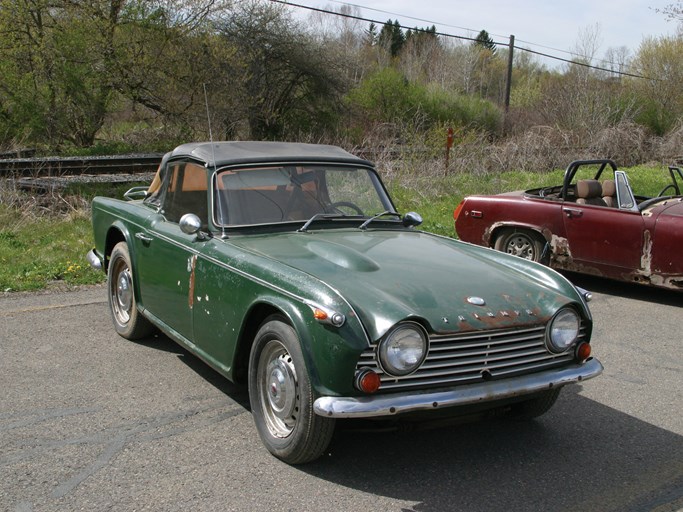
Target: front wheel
{"points": [[282, 398], [128, 321], [520, 243]]}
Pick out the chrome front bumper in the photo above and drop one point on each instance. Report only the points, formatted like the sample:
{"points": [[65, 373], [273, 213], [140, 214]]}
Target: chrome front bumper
{"points": [[466, 394]]}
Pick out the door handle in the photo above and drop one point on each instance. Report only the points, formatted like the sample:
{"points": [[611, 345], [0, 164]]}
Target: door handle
{"points": [[145, 239], [572, 212]]}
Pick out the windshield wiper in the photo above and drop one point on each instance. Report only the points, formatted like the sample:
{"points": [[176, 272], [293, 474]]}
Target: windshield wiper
{"points": [[319, 216], [386, 212]]}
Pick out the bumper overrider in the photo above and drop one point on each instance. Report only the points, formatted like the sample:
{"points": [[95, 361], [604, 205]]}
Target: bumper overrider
{"points": [[466, 394], [94, 259]]}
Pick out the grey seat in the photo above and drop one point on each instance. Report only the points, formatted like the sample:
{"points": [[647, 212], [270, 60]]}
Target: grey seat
{"points": [[589, 192], [609, 193]]}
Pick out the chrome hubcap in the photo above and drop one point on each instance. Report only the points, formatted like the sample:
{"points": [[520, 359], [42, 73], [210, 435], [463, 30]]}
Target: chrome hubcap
{"points": [[277, 387], [122, 293]]}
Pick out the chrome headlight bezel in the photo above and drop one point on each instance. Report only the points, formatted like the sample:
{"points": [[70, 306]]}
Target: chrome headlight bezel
{"points": [[403, 349], [563, 330]]}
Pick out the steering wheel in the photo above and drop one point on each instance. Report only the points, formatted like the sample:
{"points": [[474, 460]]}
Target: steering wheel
{"points": [[347, 204], [669, 186], [544, 191]]}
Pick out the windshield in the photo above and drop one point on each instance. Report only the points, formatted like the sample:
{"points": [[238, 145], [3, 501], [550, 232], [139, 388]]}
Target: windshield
{"points": [[293, 193]]}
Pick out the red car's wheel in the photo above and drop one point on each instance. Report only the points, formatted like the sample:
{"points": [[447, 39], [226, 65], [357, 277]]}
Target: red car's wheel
{"points": [[520, 243]]}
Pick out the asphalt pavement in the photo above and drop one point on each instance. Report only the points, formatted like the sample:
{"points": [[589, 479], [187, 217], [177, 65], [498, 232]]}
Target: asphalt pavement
{"points": [[90, 421]]}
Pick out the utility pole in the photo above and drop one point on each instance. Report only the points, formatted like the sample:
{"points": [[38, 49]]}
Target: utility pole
{"points": [[508, 81]]}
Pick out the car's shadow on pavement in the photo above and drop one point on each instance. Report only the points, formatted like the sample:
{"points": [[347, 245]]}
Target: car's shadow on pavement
{"points": [[581, 456], [627, 290], [238, 393]]}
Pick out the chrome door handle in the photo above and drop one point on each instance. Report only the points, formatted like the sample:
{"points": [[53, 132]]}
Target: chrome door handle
{"points": [[145, 239], [572, 212]]}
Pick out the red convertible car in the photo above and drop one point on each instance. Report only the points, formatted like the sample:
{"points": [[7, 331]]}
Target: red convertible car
{"points": [[594, 225]]}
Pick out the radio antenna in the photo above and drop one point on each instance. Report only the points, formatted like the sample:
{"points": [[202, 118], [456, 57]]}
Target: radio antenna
{"points": [[213, 157]]}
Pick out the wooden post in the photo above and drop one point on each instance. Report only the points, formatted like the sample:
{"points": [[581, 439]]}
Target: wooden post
{"points": [[449, 144]]}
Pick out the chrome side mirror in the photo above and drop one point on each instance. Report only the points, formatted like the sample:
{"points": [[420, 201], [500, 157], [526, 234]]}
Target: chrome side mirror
{"points": [[190, 224], [412, 219]]}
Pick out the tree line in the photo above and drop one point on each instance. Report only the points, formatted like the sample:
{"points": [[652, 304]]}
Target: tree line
{"points": [[143, 74]]}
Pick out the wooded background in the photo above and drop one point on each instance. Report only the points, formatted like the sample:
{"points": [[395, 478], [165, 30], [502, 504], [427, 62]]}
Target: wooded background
{"points": [[131, 75]]}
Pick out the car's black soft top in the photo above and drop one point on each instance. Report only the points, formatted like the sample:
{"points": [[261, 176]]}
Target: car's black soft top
{"points": [[244, 152]]}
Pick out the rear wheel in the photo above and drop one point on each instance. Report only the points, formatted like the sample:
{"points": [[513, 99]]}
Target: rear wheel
{"points": [[537, 406], [523, 243], [282, 398], [128, 321]]}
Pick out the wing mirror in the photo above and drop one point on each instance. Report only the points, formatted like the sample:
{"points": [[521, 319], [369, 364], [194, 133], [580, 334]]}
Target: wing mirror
{"points": [[412, 219], [190, 224]]}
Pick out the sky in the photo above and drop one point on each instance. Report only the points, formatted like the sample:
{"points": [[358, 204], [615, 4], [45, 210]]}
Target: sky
{"points": [[541, 25]]}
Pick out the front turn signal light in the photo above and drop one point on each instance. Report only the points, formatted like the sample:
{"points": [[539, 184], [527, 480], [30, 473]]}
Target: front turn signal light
{"points": [[583, 351], [367, 381]]}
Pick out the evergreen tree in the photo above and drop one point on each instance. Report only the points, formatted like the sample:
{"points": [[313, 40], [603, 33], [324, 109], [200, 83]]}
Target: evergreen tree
{"points": [[392, 37], [484, 40]]}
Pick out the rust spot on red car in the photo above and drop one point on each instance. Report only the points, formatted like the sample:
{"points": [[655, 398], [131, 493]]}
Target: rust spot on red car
{"points": [[646, 257]]}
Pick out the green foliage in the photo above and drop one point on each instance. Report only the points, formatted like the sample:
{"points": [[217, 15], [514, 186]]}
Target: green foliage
{"points": [[660, 98], [463, 111], [130, 75], [386, 96]]}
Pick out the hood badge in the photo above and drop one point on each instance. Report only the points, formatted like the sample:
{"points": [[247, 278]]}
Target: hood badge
{"points": [[476, 301]]}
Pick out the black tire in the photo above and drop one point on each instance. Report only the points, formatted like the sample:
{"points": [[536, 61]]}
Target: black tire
{"points": [[537, 406], [282, 398], [522, 243], [128, 321]]}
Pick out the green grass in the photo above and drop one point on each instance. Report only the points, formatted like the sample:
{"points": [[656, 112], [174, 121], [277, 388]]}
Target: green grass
{"points": [[39, 251]]}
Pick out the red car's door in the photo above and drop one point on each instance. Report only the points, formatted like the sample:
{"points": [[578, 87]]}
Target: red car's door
{"points": [[603, 235]]}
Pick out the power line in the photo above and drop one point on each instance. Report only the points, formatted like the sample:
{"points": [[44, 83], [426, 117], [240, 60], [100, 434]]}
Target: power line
{"points": [[453, 36], [391, 13]]}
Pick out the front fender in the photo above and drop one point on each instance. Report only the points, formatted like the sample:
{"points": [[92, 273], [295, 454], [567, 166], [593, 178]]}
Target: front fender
{"points": [[330, 353]]}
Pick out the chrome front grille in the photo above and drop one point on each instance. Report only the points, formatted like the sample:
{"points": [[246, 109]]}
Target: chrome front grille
{"points": [[474, 356]]}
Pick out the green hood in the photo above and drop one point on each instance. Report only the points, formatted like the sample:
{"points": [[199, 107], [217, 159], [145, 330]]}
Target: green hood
{"points": [[391, 275]]}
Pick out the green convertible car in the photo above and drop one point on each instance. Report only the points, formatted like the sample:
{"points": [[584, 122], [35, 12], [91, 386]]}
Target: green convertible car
{"points": [[287, 266]]}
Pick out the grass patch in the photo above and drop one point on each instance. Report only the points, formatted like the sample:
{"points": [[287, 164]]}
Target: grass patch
{"points": [[35, 252]]}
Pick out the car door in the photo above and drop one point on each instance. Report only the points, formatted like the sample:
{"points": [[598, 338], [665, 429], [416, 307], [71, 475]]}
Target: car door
{"points": [[604, 235], [166, 254]]}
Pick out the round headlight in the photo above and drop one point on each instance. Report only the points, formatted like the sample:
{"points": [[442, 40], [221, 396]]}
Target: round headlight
{"points": [[563, 331], [403, 350]]}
